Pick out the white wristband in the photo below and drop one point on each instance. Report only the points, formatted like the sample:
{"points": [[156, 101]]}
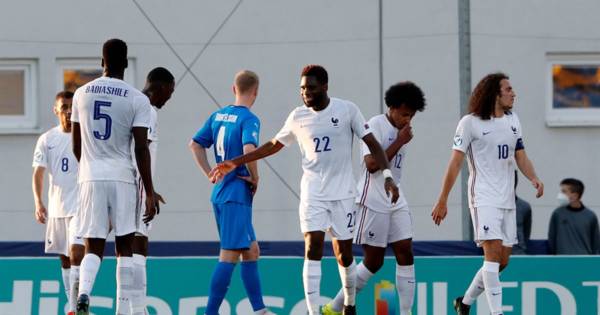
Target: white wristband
{"points": [[387, 173]]}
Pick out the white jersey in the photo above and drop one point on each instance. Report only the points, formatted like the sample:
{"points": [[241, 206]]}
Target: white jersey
{"points": [[54, 152], [107, 109], [371, 188], [490, 147], [325, 140], [152, 138]]}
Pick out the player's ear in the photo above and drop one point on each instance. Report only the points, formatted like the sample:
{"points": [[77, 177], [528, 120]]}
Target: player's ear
{"points": [[326, 87], [233, 89], [126, 63], [102, 63]]}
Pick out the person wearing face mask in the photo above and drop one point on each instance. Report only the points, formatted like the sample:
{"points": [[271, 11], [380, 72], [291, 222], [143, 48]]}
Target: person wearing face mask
{"points": [[573, 227]]}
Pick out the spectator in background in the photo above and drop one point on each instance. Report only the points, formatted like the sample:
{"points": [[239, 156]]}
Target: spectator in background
{"points": [[523, 223], [573, 227]]}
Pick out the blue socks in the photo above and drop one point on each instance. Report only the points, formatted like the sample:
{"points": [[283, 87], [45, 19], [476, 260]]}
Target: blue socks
{"points": [[219, 284], [252, 284]]}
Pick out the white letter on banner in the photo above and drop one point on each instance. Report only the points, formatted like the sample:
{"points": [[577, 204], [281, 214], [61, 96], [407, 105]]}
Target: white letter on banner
{"points": [[440, 298], [161, 307], [189, 306], [21, 299], [597, 285], [422, 298], [49, 305], [566, 299], [244, 306]]}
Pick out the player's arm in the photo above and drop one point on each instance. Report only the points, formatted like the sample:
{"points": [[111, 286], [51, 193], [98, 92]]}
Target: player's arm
{"points": [[252, 169], [76, 137], [404, 136], [37, 185], [261, 152], [142, 158], [552, 234], [382, 162], [441, 207], [200, 156], [527, 169]]}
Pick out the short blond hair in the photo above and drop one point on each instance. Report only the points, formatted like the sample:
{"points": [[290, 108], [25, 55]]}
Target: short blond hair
{"points": [[245, 80]]}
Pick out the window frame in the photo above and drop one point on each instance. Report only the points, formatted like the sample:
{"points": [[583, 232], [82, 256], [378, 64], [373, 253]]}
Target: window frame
{"points": [[28, 122]]}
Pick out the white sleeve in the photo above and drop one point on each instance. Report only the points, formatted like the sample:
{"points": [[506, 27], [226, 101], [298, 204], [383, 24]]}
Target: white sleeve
{"points": [[359, 126], [152, 129], [142, 115], [373, 128], [40, 154], [464, 134], [286, 135], [75, 108]]}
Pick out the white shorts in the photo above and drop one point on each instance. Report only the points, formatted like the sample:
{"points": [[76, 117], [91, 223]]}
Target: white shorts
{"points": [[490, 223], [61, 234], [380, 228], [106, 205], [142, 229], [338, 217]]}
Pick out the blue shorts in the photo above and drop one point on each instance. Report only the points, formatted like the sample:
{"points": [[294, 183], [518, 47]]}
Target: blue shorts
{"points": [[234, 223]]}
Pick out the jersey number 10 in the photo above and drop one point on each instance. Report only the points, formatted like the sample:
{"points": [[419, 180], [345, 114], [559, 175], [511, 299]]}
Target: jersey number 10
{"points": [[503, 152]]}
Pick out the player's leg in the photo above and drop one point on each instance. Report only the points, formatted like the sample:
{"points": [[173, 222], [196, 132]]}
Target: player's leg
{"points": [[311, 271], [230, 236], [140, 252], [65, 268], [400, 238], [77, 250], [124, 213], [405, 274], [94, 227], [343, 219]]}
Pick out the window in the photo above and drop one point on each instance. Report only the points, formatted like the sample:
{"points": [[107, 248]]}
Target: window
{"points": [[75, 72], [573, 90], [18, 111]]}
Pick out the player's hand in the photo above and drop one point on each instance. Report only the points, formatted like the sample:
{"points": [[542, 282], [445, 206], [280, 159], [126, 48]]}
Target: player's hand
{"points": [[41, 213], [539, 186], [219, 171], [253, 182], [391, 188], [405, 134], [440, 210], [150, 208], [158, 199]]}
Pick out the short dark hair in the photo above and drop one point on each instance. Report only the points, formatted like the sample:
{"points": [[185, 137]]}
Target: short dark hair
{"points": [[405, 93], [114, 54], [483, 99], [160, 75], [316, 71], [63, 94], [575, 184]]}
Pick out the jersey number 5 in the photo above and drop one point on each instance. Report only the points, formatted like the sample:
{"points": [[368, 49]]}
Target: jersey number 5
{"points": [[107, 120]]}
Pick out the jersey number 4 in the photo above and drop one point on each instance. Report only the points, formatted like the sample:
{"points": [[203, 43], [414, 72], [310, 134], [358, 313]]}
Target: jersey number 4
{"points": [[98, 115], [220, 145]]}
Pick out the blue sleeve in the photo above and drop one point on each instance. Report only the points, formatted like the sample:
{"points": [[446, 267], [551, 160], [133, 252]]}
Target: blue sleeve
{"points": [[204, 136], [250, 131]]}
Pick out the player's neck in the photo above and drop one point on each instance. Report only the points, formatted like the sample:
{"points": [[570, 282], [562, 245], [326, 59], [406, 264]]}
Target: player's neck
{"points": [[114, 74], [322, 105], [243, 101], [65, 129], [387, 116], [498, 111]]}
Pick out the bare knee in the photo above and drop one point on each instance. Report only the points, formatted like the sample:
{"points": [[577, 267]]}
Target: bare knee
{"points": [[314, 245], [77, 252], [64, 262], [252, 254], [403, 252], [373, 263]]}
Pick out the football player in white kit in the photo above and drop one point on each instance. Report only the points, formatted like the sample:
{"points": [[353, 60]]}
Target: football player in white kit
{"points": [[491, 138], [53, 152], [381, 223], [107, 114], [160, 85], [324, 128]]}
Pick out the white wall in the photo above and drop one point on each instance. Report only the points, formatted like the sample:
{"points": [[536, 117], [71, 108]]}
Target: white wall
{"points": [[276, 38]]}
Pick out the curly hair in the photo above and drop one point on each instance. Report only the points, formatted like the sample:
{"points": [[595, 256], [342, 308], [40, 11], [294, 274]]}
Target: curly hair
{"points": [[405, 93], [483, 98], [316, 71]]}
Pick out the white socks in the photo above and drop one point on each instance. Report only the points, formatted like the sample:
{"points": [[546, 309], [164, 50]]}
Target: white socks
{"points": [[124, 284], [405, 285], [74, 285], [362, 277], [475, 289], [493, 288], [311, 278], [66, 272], [88, 270], [348, 277], [138, 297]]}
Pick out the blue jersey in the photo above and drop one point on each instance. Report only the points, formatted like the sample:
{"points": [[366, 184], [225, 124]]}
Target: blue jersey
{"points": [[229, 129]]}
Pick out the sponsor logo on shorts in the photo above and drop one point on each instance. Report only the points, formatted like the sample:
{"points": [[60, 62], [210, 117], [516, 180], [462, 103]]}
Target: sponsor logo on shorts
{"points": [[371, 234], [486, 228]]}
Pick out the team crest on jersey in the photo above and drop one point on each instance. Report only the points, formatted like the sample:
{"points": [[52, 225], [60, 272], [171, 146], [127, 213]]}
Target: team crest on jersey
{"points": [[457, 140], [514, 129], [335, 121], [366, 126]]}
